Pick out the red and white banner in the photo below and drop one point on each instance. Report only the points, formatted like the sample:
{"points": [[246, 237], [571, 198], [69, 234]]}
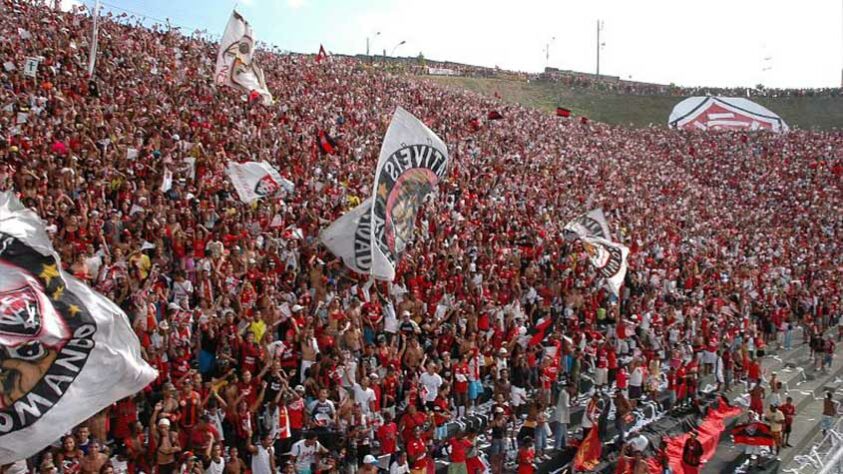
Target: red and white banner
{"points": [[254, 180], [724, 113]]}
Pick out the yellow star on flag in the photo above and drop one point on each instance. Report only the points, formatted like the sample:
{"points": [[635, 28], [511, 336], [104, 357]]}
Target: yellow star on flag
{"points": [[382, 190], [48, 272], [73, 310], [59, 291]]}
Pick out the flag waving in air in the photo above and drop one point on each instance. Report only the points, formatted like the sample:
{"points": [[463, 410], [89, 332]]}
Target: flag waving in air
{"points": [[66, 352], [371, 238], [588, 452], [235, 60], [562, 112], [608, 257], [254, 180]]}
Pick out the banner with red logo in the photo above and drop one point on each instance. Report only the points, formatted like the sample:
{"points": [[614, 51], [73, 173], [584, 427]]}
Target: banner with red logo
{"points": [[235, 60], [66, 352], [254, 180]]}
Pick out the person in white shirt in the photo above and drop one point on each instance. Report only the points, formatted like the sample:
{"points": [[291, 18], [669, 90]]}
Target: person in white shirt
{"points": [[305, 451], [399, 465], [214, 464], [431, 381], [364, 396], [263, 456]]}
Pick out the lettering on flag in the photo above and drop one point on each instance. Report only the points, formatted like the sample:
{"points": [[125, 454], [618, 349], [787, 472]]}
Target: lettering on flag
{"points": [[591, 224], [371, 238], [412, 161], [61, 342]]}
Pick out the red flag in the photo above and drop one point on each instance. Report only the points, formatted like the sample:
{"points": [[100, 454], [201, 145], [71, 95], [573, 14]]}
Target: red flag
{"points": [[753, 434], [562, 112], [326, 143], [539, 332], [322, 54], [494, 115], [588, 453]]}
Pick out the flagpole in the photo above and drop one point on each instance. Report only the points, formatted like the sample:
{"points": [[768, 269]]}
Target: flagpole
{"points": [[92, 55]]}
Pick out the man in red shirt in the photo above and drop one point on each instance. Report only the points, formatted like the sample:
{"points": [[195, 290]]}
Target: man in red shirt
{"points": [[388, 434], [417, 452], [203, 436], [460, 446], [789, 411]]}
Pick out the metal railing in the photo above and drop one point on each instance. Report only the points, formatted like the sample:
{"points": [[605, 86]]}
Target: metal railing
{"points": [[824, 457]]}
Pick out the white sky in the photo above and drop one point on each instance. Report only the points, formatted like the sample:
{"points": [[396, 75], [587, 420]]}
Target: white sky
{"points": [[715, 42]]}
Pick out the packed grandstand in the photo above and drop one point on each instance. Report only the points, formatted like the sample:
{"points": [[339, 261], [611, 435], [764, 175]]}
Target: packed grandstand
{"points": [[497, 347]]}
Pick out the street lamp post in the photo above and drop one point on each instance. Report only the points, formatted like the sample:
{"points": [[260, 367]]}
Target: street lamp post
{"points": [[392, 53], [547, 51], [599, 45]]}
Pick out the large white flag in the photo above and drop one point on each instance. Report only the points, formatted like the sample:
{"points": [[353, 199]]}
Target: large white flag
{"points": [[66, 352], [609, 258], [254, 180], [350, 237], [591, 224], [235, 60], [412, 161]]}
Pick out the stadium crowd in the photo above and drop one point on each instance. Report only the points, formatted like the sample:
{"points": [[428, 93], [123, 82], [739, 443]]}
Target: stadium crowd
{"points": [[272, 356]]}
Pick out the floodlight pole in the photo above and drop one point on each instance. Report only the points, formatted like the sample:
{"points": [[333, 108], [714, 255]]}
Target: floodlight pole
{"points": [[599, 27]]}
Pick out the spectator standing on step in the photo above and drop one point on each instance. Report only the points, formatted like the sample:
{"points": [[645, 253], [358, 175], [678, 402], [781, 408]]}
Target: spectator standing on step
{"points": [[789, 411]]}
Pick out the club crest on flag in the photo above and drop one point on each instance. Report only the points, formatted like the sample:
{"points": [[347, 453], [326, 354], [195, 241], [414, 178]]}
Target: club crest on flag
{"points": [[46, 336]]}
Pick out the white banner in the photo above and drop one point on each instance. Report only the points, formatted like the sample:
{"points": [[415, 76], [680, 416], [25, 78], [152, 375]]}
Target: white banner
{"points": [[349, 238], [254, 180], [235, 63], [609, 258], [66, 352], [30, 67], [591, 224], [412, 161]]}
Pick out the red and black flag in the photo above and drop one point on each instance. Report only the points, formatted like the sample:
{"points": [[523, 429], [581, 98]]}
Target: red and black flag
{"points": [[494, 115], [539, 332], [326, 143], [753, 434], [562, 112], [322, 54]]}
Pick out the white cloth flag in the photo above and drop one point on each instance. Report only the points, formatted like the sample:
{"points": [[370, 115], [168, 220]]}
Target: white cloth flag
{"points": [[254, 180], [235, 59], [66, 351], [591, 224], [349, 238], [609, 258], [412, 161]]}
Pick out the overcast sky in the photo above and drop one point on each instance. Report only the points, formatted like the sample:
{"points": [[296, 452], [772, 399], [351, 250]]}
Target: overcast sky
{"points": [[780, 43]]}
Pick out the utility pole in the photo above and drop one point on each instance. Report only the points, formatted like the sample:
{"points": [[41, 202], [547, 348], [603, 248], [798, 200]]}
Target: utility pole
{"points": [[599, 27]]}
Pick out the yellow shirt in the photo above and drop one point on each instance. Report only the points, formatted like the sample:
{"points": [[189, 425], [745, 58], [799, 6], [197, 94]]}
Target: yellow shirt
{"points": [[259, 329]]}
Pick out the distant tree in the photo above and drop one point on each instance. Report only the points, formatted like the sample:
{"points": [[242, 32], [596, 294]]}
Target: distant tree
{"points": [[420, 58], [759, 87]]}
